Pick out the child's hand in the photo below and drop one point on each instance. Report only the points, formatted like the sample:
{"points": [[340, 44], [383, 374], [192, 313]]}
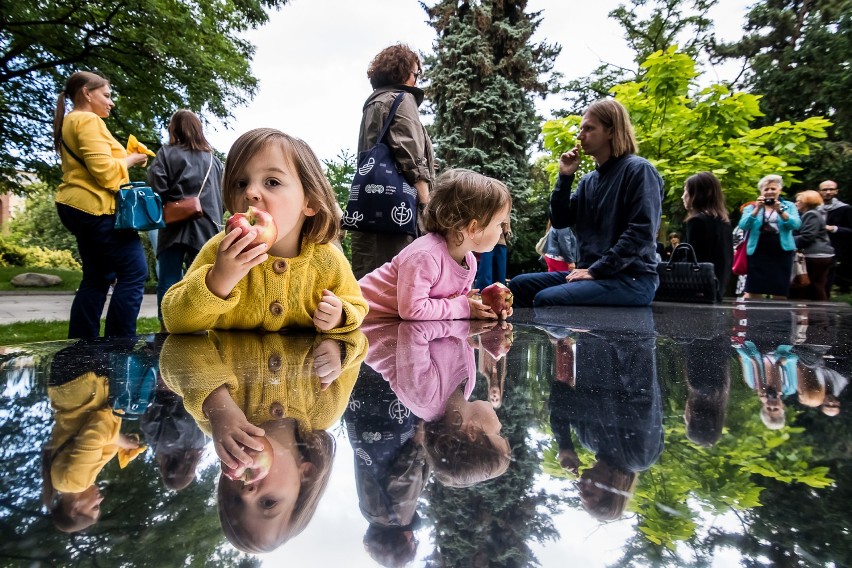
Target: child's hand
{"points": [[478, 310], [329, 314], [327, 363], [128, 442], [232, 432], [233, 262]]}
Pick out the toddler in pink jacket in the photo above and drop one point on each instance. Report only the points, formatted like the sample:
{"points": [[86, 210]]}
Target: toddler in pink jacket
{"points": [[432, 278]]}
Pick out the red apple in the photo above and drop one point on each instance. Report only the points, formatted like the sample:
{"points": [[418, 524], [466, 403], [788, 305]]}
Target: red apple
{"points": [[256, 219], [497, 297], [260, 466]]}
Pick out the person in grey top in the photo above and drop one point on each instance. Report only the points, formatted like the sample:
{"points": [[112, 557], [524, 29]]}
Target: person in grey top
{"points": [[812, 239], [178, 171]]}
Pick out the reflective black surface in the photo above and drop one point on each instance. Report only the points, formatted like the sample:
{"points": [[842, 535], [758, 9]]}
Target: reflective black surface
{"points": [[674, 435]]}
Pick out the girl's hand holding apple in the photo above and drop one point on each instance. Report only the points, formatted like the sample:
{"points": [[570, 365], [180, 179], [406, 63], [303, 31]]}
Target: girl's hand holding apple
{"points": [[234, 259]]}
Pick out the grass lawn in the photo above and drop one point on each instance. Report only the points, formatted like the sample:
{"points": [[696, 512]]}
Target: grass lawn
{"points": [[70, 278], [41, 330]]}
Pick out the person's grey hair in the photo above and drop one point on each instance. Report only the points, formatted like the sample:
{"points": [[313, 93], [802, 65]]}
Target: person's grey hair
{"points": [[770, 179]]}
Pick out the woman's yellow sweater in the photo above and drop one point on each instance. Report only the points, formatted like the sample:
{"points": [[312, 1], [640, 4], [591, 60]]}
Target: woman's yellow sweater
{"points": [[85, 434], [91, 188], [269, 375], [280, 293]]}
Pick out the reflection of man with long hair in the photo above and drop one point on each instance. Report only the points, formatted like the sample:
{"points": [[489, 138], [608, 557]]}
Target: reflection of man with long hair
{"points": [[609, 396]]}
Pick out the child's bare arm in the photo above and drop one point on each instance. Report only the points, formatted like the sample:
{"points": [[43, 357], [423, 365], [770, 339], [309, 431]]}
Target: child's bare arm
{"points": [[232, 432], [233, 262]]}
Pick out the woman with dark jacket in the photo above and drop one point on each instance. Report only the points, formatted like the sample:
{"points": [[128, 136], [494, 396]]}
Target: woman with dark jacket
{"points": [[812, 239], [395, 69], [185, 167], [770, 222], [708, 230]]}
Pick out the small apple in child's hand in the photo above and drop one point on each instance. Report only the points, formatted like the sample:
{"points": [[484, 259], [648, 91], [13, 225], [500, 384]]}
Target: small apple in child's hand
{"points": [[498, 297], [259, 467], [256, 219]]}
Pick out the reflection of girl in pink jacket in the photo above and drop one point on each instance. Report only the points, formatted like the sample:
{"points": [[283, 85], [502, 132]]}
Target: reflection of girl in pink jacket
{"points": [[431, 368]]}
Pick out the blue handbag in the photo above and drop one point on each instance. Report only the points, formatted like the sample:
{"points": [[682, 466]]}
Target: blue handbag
{"points": [[138, 207], [380, 200], [133, 382]]}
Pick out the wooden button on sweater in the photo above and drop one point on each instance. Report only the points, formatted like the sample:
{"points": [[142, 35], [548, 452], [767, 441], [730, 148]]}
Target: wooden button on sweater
{"points": [[274, 363], [276, 309], [276, 410], [280, 266]]}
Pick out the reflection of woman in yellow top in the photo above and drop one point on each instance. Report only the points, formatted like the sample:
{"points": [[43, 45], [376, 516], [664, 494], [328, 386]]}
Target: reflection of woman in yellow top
{"points": [[85, 436], [267, 400], [94, 165]]}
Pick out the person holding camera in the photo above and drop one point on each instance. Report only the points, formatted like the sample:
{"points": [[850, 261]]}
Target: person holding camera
{"points": [[769, 223]]}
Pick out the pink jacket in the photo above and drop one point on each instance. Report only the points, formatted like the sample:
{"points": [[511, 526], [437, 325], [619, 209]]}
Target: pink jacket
{"points": [[422, 282], [424, 362]]}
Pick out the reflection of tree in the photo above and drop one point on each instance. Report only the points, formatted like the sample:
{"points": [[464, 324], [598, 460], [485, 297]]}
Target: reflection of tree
{"points": [[140, 520], [490, 524], [765, 477]]}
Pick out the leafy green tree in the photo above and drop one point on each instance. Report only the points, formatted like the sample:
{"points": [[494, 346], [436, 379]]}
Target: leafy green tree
{"points": [[668, 23], [683, 129], [39, 225], [484, 75], [797, 55], [340, 173], [160, 55]]}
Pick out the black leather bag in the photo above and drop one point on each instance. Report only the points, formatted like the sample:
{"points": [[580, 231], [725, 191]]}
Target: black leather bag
{"points": [[380, 200], [686, 281]]}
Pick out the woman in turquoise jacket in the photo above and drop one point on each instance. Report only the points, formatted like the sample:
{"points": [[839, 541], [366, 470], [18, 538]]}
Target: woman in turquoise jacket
{"points": [[770, 223]]}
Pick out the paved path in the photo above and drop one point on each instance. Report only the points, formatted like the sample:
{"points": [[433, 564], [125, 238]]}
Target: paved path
{"points": [[53, 306]]}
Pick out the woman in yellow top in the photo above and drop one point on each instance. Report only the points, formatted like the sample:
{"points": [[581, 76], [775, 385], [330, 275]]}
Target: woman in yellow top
{"points": [[94, 166]]}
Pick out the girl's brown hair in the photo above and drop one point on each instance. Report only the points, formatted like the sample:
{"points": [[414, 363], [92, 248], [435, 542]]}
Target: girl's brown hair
{"points": [[392, 66], [461, 196], [705, 196], [73, 90], [185, 130], [611, 114], [320, 228]]}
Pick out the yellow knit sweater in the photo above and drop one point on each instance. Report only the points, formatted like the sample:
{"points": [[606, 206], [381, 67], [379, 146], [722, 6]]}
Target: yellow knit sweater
{"points": [[280, 293], [91, 188], [85, 435], [269, 376]]}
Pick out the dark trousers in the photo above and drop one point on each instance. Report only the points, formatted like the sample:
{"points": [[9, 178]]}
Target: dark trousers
{"points": [[171, 265], [491, 267], [107, 256], [551, 289]]}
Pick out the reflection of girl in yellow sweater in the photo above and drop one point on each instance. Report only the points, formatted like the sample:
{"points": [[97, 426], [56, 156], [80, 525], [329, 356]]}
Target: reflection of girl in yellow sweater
{"points": [[84, 439], [267, 400]]}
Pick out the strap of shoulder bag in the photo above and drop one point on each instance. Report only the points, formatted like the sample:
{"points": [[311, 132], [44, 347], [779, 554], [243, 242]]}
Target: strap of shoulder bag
{"points": [[73, 155], [206, 175], [397, 100]]}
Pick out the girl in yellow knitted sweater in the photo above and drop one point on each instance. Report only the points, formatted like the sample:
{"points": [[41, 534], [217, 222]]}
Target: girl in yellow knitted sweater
{"points": [[301, 280], [267, 400]]}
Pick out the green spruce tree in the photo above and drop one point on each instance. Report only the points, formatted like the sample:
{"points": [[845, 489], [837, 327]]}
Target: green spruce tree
{"points": [[484, 76]]}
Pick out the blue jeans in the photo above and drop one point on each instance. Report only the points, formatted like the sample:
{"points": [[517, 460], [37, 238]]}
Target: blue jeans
{"points": [[170, 266], [550, 289], [491, 267], [107, 255]]}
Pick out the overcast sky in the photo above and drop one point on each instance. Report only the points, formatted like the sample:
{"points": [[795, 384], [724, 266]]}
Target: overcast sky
{"points": [[312, 57]]}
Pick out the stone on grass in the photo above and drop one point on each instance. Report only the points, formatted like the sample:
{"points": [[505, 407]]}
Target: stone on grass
{"points": [[35, 280]]}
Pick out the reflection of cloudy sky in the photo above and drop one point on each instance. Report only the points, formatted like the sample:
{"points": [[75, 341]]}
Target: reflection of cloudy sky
{"points": [[312, 57]]}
